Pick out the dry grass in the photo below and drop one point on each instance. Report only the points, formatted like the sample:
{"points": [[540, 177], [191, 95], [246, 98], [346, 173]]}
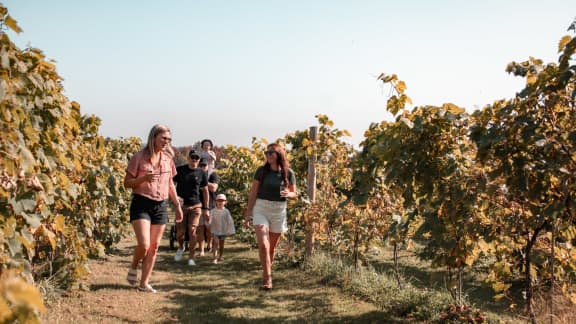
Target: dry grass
{"points": [[564, 309], [223, 293]]}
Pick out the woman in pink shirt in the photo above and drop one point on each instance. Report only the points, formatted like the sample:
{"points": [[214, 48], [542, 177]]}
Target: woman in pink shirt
{"points": [[149, 174]]}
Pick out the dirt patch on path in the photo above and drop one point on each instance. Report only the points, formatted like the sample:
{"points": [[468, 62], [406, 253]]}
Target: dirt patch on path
{"points": [[227, 292]]}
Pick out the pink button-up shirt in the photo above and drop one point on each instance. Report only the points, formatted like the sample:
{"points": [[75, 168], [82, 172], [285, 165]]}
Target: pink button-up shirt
{"points": [[141, 165]]}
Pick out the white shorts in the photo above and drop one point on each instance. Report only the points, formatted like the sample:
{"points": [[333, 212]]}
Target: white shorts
{"points": [[270, 213]]}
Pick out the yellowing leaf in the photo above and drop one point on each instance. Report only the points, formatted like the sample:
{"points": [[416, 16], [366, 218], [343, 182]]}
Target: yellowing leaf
{"points": [[75, 106], [562, 43], [470, 258], [498, 297], [50, 236], [500, 286], [531, 78], [309, 151], [12, 24], [410, 245], [82, 271], [401, 86], [573, 298], [5, 311], [59, 223], [18, 292]]}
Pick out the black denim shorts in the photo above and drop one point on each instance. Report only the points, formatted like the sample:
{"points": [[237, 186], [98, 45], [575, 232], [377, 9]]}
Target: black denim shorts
{"points": [[151, 210]]}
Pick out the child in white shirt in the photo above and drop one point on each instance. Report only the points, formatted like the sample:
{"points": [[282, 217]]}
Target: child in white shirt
{"points": [[221, 226], [207, 152]]}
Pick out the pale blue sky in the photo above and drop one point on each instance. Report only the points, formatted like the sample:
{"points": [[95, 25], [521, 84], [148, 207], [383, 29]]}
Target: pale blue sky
{"points": [[230, 70]]}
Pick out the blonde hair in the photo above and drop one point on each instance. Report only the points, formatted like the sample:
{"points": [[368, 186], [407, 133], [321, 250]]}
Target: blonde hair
{"points": [[157, 129]]}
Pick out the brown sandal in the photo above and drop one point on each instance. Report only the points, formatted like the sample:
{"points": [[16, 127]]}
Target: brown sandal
{"points": [[266, 287], [132, 276]]}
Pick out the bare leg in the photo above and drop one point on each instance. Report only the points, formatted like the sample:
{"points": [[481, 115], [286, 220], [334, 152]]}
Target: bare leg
{"points": [[215, 244], [274, 239], [220, 248], [194, 217], [142, 231], [208, 237], [156, 232], [262, 236], [181, 229], [200, 238], [192, 236]]}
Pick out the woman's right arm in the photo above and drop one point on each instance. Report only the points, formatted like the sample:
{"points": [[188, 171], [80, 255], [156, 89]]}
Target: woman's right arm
{"points": [[131, 181], [251, 201]]}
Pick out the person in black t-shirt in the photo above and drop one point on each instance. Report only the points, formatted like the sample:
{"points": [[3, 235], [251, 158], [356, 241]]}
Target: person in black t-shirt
{"points": [[190, 181], [273, 183], [203, 231]]}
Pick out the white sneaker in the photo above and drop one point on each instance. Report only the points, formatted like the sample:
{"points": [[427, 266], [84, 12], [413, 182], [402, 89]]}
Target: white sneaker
{"points": [[148, 288], [191, 262], [178, 255]]}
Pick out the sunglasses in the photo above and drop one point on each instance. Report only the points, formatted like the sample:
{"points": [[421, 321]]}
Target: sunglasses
{"points": [[195, 157], [269, 152], [166, 138]]}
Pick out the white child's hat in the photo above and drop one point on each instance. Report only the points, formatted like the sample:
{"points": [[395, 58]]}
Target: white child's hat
{"points": [[220, 197]]}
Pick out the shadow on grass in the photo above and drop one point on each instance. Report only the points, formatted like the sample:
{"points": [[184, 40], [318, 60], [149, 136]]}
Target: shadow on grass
{"points": [[216, 306], [228, 292]]}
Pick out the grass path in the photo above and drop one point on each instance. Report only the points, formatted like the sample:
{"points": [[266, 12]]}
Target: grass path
{"points": [[227, 292]]}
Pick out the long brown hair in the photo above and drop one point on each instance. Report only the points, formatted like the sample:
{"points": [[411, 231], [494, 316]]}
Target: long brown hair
{"points": [[281, 159]]}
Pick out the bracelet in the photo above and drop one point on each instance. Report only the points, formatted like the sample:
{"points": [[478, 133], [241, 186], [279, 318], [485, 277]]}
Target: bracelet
{"points": [[205, 208]]}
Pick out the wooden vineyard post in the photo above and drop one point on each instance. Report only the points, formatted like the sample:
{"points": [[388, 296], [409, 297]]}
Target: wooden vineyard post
{"points": [[311, 192]]}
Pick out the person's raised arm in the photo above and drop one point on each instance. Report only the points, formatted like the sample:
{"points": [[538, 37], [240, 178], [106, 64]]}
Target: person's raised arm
{"points": [[132, 182], [289, 192]]}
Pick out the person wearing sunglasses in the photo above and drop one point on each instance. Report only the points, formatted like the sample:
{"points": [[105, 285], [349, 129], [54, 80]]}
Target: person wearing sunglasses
{"points": [[149, 174], [190, 181], [274, 183], [203, 231]]}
